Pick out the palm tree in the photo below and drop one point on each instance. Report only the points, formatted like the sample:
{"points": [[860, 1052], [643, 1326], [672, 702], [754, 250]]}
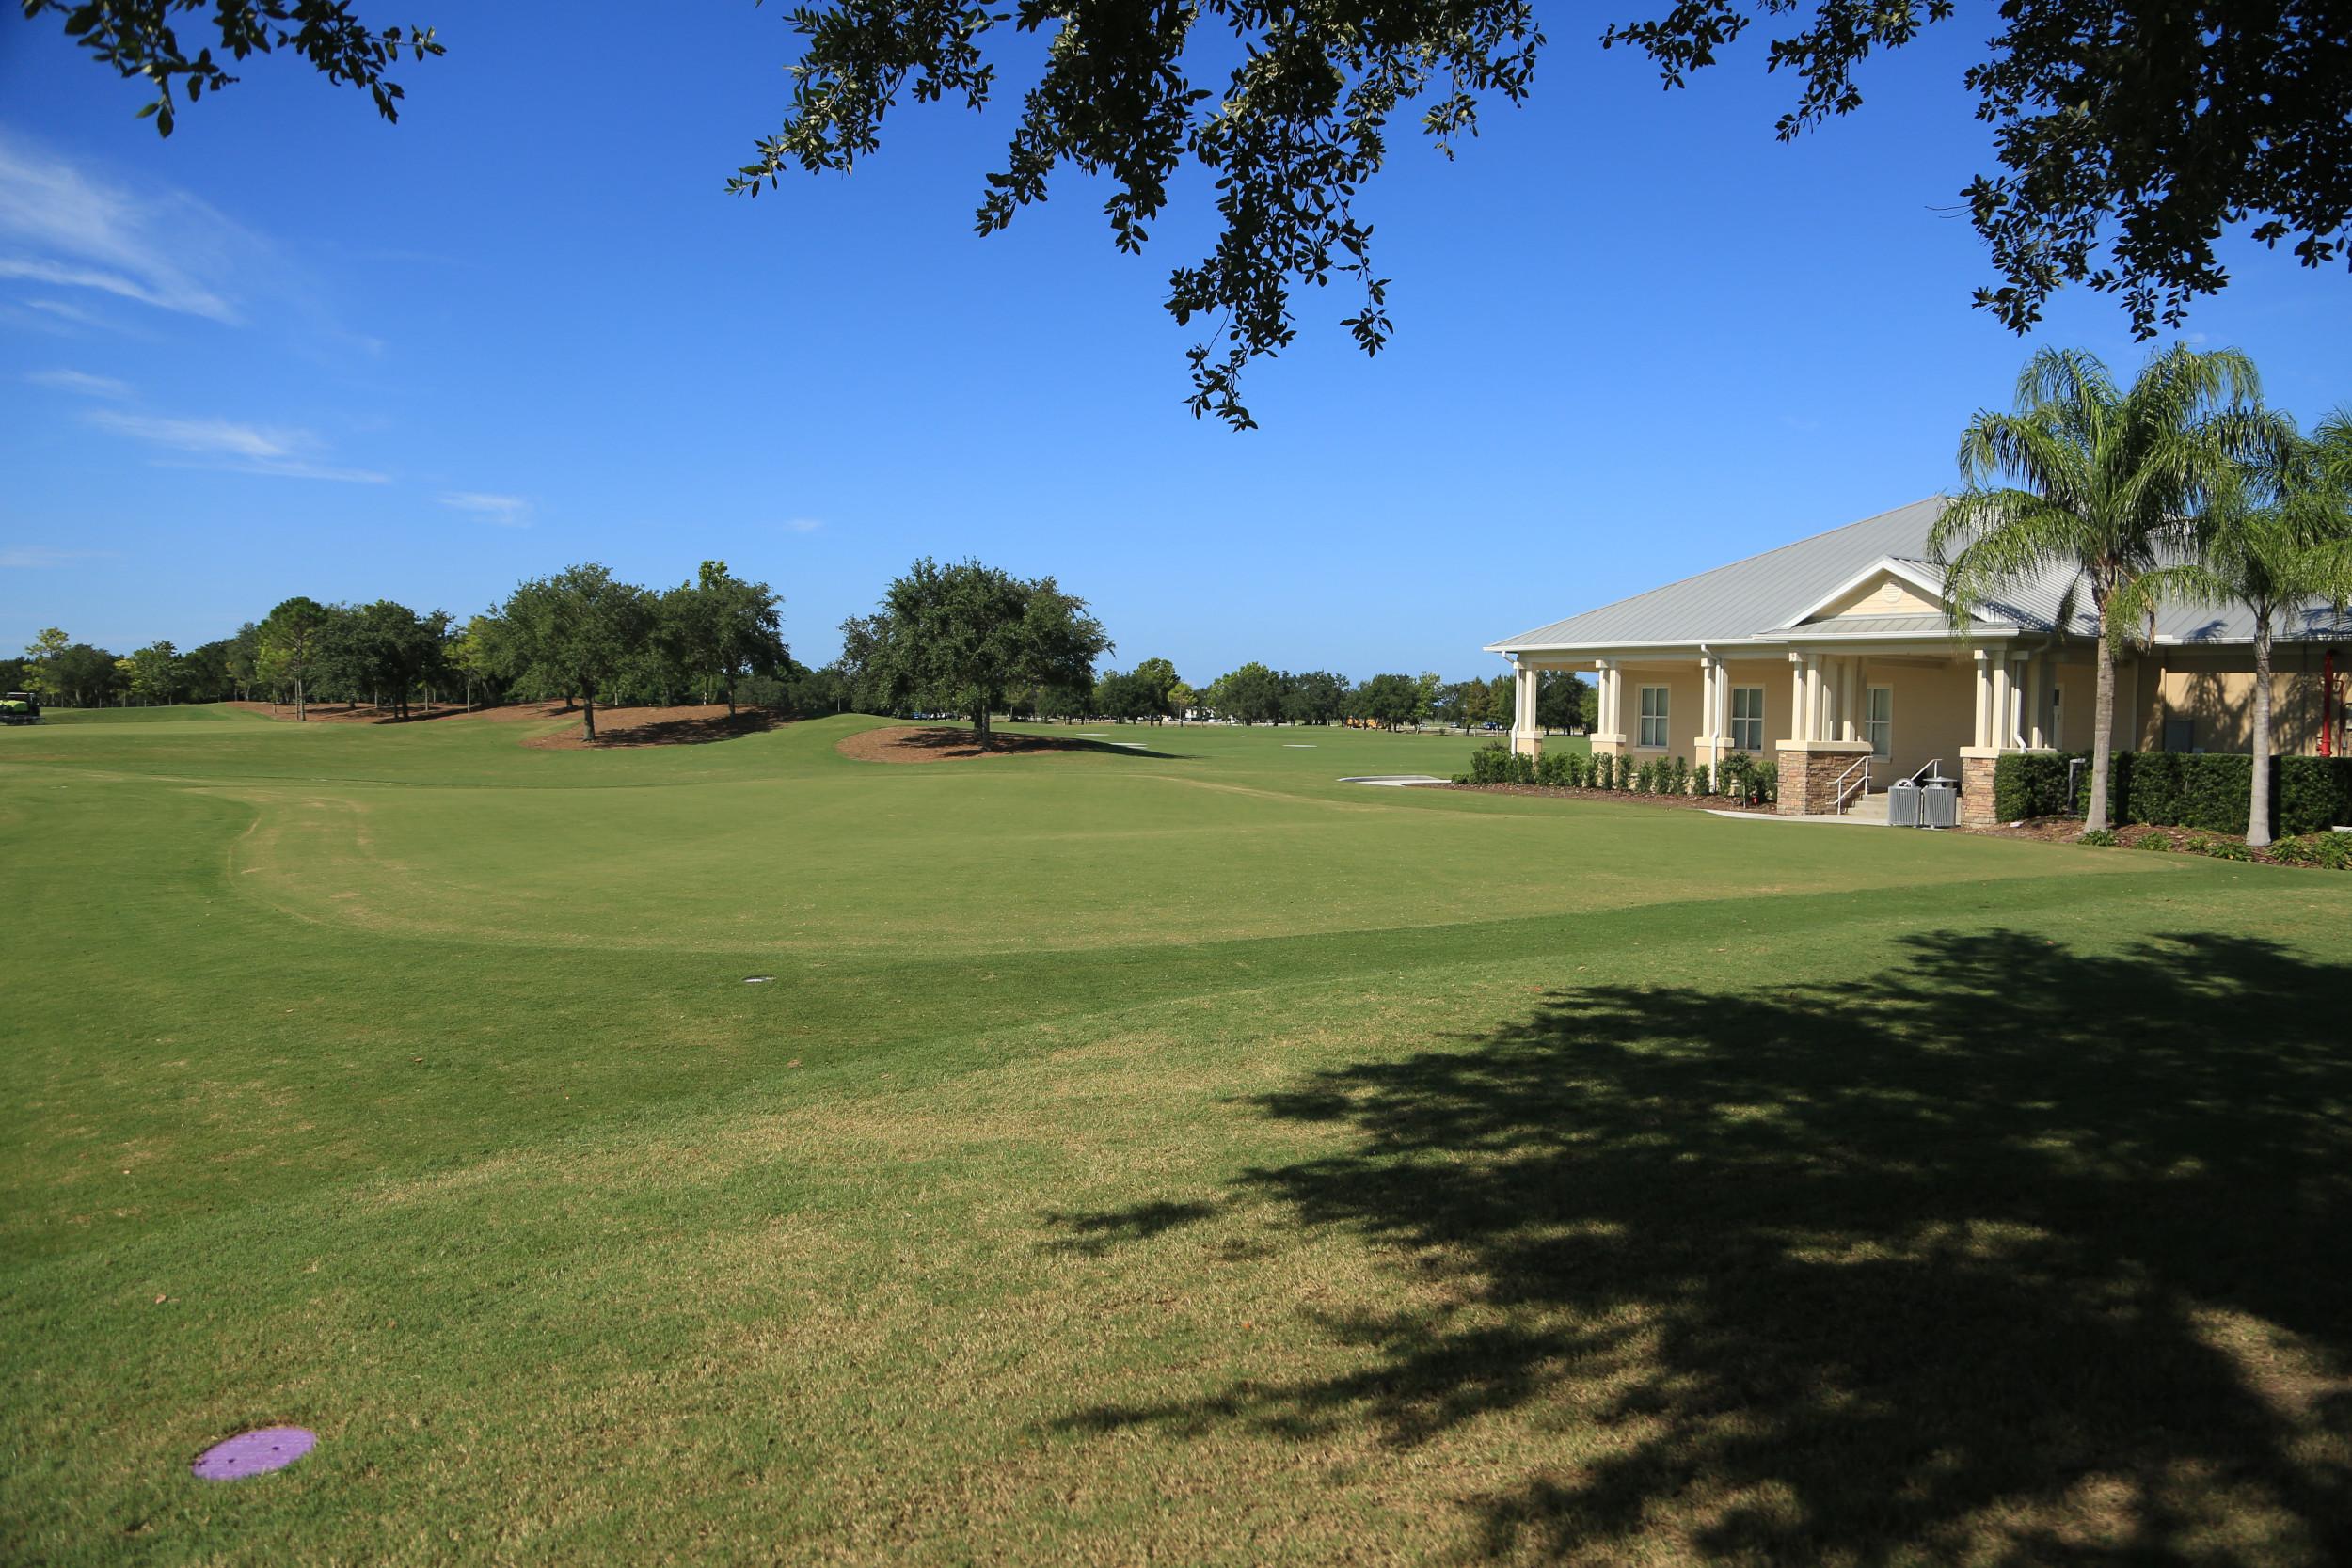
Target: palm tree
{"points": [[2102, 483], [2275, 540]]}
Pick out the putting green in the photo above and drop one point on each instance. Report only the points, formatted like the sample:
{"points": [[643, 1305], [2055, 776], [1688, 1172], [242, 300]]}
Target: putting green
{"points": [[1145, 1150]]}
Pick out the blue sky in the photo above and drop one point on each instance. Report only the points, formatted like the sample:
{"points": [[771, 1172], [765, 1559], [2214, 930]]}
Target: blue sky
{"points": [[295, 349]]}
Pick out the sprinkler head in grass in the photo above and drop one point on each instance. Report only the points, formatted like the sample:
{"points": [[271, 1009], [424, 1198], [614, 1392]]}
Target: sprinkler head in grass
{"points": [[251, 1453], [759, 980]]}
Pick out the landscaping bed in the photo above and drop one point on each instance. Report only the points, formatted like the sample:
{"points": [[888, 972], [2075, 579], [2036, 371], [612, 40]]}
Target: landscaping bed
{"points": [[2311, 852]]}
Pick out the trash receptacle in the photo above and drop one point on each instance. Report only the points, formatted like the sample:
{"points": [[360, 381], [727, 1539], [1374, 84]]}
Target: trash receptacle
{"points": [[1939, 803], [1902, 804]]}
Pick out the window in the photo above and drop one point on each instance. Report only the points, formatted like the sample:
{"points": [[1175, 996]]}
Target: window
{"points": [[1653, 717], [1747, 717], [1878, 719]]}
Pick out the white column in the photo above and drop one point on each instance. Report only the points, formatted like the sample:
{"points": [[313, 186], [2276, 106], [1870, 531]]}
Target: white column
{"points": [[2004, 702], [1719, 722], [1796, 696], [1707, 677], [1522, 708], [1849, 668], [1983, 688], [1814, 696], [2037, 700]]}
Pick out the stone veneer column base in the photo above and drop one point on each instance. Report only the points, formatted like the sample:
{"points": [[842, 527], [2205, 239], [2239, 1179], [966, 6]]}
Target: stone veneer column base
{"points": [[1809, 771], [1976, 764]]}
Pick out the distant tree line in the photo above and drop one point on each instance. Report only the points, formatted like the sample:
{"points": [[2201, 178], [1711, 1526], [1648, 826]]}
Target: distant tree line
{"points": [[964, 639], [581, 636]]}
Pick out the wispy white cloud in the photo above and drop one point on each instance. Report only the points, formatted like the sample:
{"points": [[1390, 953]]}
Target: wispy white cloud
{"points": [[33, 558], [81, 381], [243, 448], [803, 524], [65, 225], [506, 511]]}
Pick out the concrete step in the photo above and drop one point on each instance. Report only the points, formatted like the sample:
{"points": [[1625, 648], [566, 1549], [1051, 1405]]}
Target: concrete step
{"points": [[1868, 808]]}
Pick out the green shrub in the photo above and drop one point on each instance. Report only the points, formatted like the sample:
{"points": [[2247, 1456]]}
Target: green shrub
{"points": [[2102, 838], [1521, 768], [2218, 848], [2330, 852], [2313, 793], [2031, 783], [1679, 781], [1489, 764], [1552, 770], [1768, 782], [1701, 782], [2183, 789], [1604, 768], [2159, 841]]}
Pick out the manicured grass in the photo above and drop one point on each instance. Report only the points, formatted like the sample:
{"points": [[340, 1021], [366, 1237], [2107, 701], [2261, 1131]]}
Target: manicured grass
{"points": [[1173, 1155]]}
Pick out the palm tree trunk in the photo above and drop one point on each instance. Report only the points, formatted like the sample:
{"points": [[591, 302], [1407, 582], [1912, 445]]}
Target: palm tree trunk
{"points": [[2258, 818], [2102, 732]]}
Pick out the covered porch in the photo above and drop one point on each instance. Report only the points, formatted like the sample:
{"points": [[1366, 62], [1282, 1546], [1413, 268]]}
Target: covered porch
{"points": [[1842, 718]]}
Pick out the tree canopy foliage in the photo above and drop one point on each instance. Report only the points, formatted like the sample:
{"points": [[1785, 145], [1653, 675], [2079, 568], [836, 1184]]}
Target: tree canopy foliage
{"points": [[2127, 138], [137, 38]]}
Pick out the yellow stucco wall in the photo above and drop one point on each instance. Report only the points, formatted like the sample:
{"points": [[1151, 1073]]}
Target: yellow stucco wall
{"points": [[1883, 595], [2215, 693]]}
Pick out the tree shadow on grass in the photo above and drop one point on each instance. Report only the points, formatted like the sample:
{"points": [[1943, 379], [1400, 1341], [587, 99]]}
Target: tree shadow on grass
{"points": [[697, 730], [960, 743], [2009, 1255]]}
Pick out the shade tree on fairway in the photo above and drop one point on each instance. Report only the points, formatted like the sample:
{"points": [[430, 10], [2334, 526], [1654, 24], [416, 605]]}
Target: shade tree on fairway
{"points": [[720, 628], [1389, 700], [293, 641], [385, 651], [962, 638], [579, 628]]}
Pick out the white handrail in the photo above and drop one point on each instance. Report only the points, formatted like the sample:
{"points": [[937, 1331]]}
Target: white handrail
{"points": [[1845, 795], [1936, 763]]}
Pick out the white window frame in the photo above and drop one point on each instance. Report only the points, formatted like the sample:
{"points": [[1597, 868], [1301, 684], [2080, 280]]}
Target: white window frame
{"points": [[1880, 732], [1739, 721], [1660, 719]]}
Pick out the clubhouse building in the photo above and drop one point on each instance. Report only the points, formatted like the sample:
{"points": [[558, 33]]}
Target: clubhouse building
{"points": [[1836, 658]]}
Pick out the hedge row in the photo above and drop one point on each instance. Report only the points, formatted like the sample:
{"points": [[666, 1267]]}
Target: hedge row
{"points": [[1744, 778], [2178, 789]]}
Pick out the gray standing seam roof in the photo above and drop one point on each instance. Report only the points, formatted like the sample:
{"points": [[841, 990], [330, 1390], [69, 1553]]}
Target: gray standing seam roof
{"points": [[1761, 598]]}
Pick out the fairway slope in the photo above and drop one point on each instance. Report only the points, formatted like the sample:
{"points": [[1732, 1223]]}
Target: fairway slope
{"points": [[1188, 1159]]}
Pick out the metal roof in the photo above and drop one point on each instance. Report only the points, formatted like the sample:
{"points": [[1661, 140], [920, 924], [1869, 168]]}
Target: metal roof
{"points": [[1873, 626], [1765, 598]]}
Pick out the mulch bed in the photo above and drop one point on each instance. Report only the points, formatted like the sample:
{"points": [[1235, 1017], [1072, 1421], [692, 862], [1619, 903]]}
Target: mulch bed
{"points": [[2132, 835], [1628, 797], [938, 743]]}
